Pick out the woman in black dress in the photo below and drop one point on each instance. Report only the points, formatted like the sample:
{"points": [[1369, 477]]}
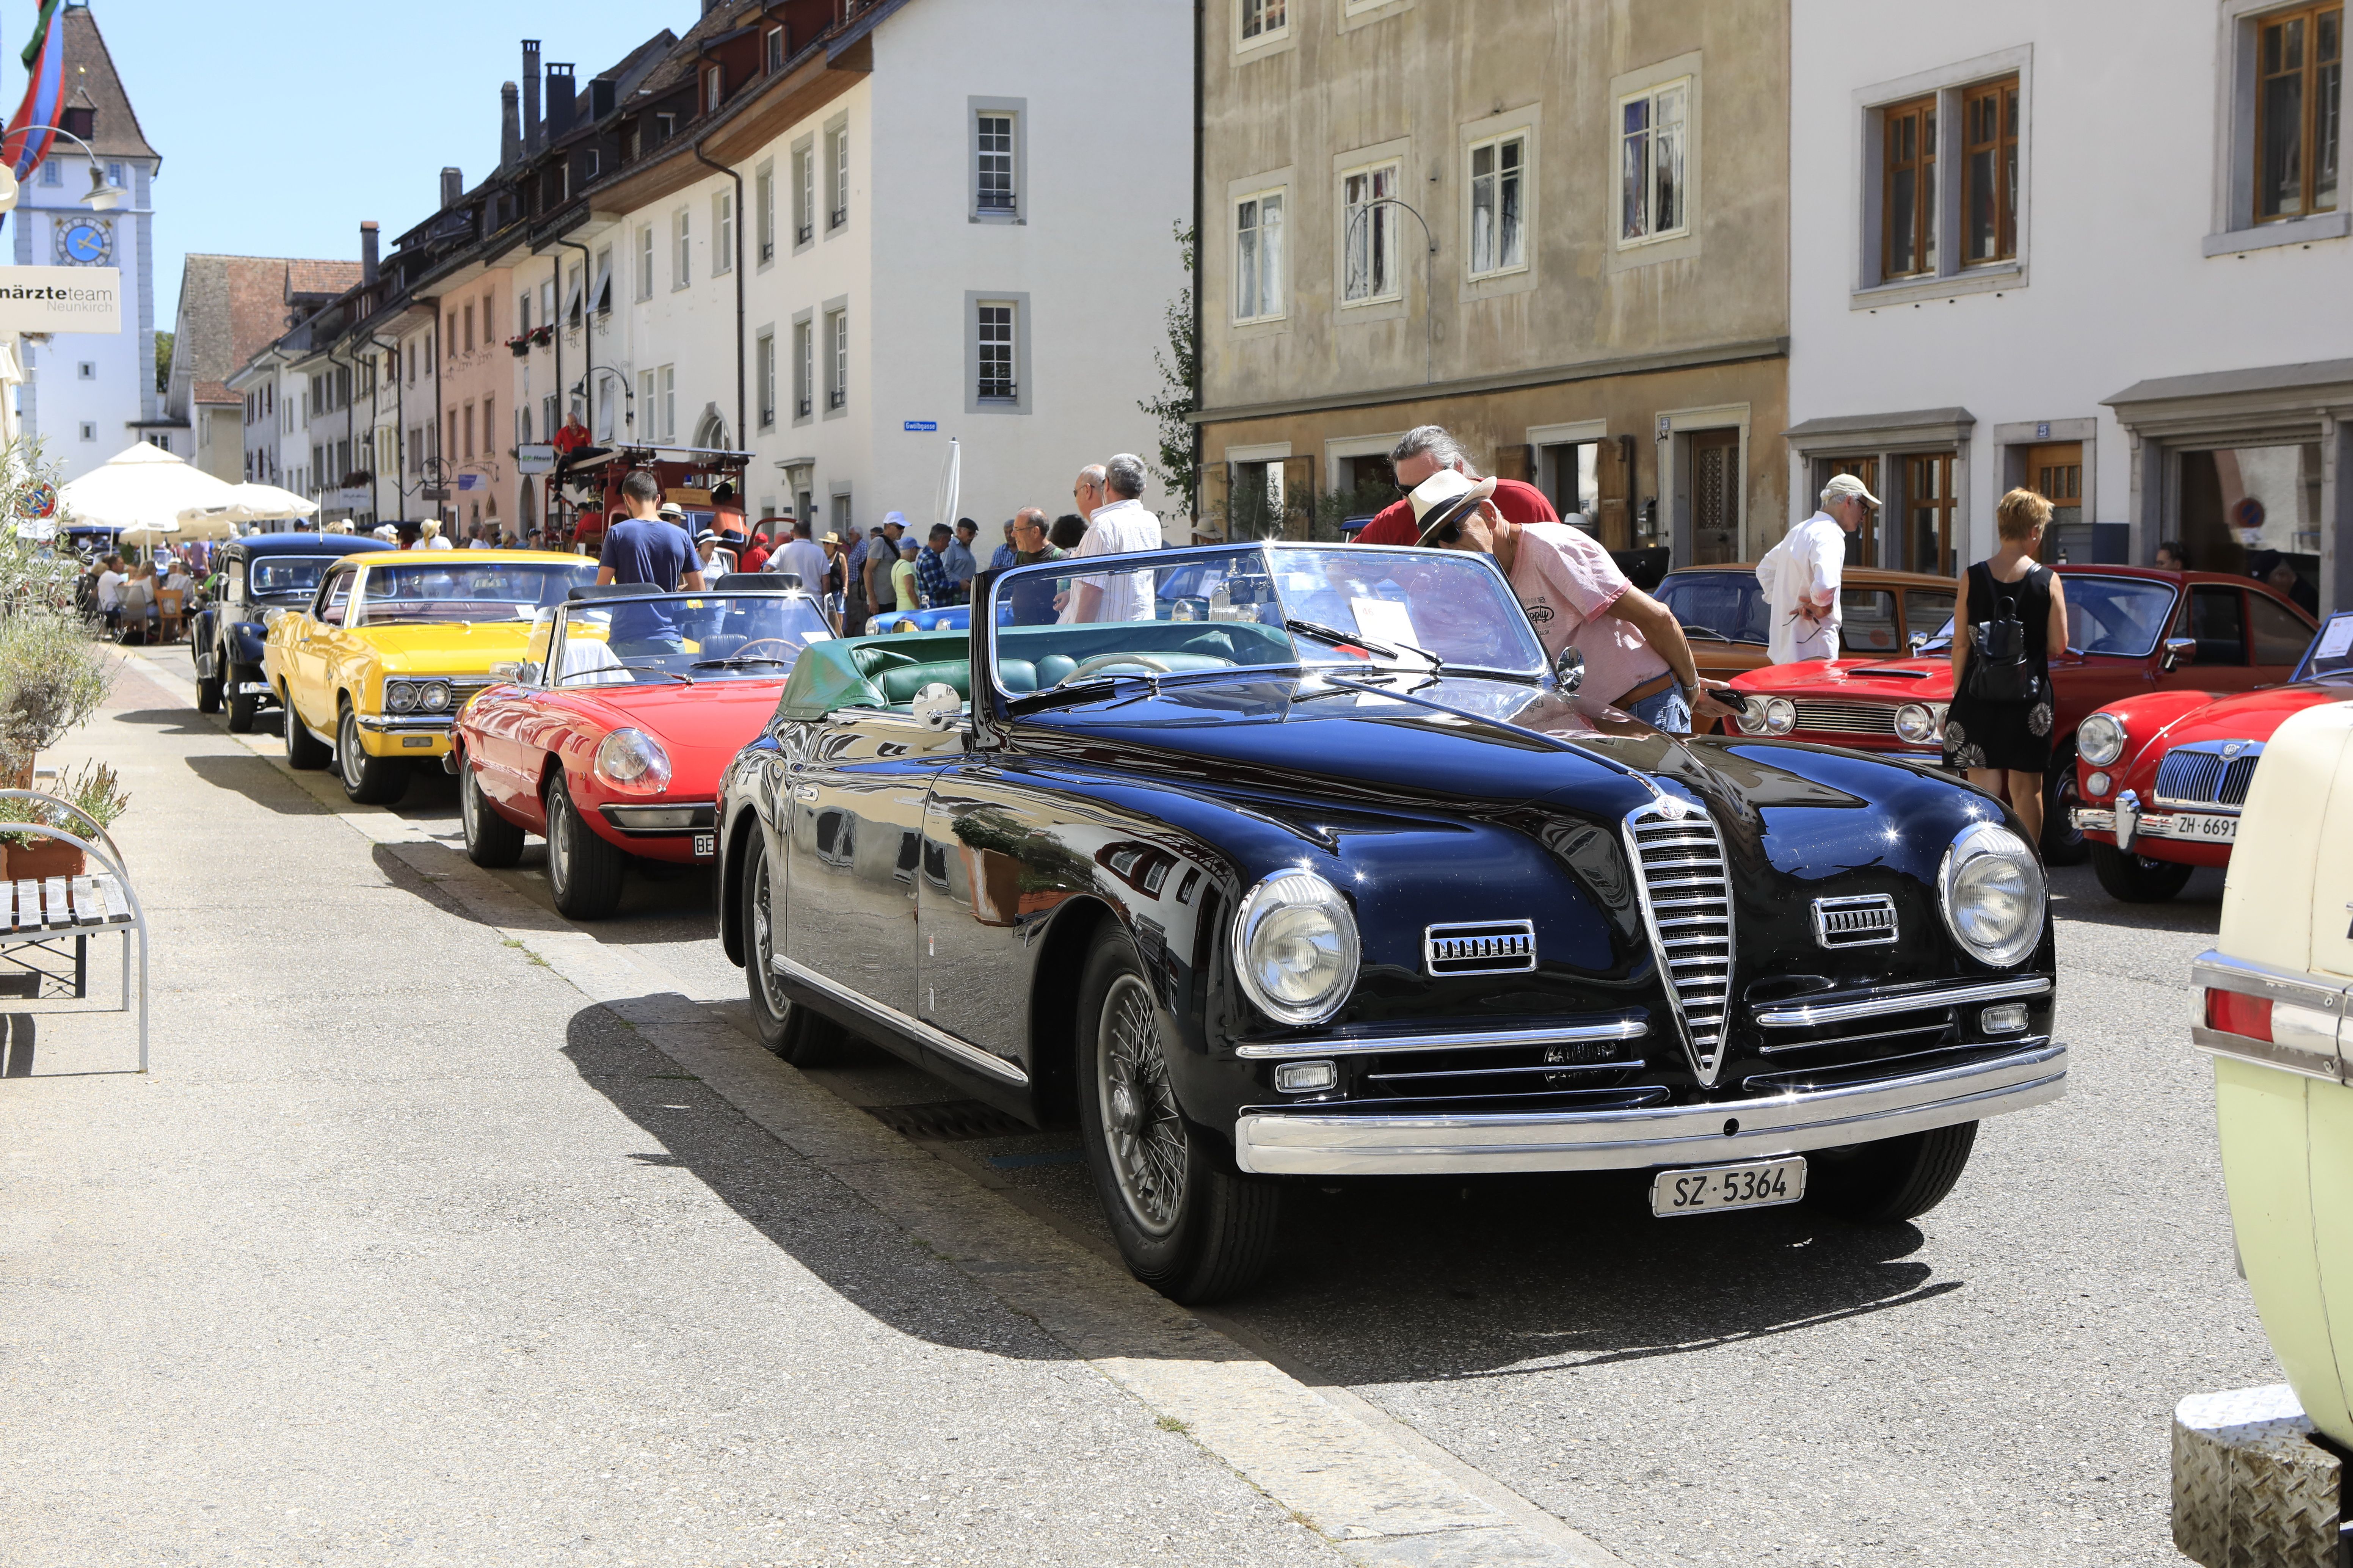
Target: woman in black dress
{"points": [[1999, 728]]}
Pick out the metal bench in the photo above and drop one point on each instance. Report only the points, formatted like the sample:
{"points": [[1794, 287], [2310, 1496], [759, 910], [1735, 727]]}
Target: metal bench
{"points": [[46, 913]]}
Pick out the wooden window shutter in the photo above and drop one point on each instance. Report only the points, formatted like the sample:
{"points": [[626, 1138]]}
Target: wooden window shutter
{"points": [[1516, 463], [1613, 474]]}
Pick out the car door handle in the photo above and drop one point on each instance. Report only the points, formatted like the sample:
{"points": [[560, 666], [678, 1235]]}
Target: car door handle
{"points": [[805, 793]]}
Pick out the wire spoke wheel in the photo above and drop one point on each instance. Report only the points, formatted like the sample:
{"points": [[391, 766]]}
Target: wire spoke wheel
{"points": [[764, 945], [1143, 1129]]}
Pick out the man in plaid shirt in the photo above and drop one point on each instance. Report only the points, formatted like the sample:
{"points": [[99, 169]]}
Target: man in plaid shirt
{"points": [[932, 571]]}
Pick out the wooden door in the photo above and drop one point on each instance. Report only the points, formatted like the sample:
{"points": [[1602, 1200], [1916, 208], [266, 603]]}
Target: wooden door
{"points": [[1614, 477], [1715, 497], [2054, 471]]}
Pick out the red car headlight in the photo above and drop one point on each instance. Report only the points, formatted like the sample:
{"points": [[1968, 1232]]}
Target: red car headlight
{"points": [[633, 761]]}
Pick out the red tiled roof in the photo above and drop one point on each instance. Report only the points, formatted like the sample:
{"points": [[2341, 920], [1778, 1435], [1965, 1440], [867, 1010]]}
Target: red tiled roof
{"points": [[216, 392], [328, 277]]}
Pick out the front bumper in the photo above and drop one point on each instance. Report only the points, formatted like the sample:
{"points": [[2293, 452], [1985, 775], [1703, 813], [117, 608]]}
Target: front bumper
{"points": [[1309, 1144], [405, 734], [2128, 824]]}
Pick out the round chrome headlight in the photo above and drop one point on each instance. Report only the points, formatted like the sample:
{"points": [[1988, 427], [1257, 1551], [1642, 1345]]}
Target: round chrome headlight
{"points": [[634, 761], [1295, 947], [2100, 738], [1780, 715], [1914, 725], [399, 697], [434, 696], [1990, 889]]}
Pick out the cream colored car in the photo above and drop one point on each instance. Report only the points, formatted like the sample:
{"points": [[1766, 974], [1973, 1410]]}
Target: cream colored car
{"points": [[2276, 1014]]}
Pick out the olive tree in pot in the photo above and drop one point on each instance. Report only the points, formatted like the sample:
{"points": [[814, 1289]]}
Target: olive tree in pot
{"points": [[95, 789]]}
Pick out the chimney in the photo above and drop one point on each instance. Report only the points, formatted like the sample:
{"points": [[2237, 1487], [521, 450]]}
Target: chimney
{"points": [[531, 141], [453, 187], [601, 102], [559, 102], [509, 128], [367, 254]]}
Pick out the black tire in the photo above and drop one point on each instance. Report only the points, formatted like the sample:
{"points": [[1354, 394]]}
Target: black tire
{"points": [[1188, 1223], [583, 870], [491, 841], [368, 781], [303, 749], [804, 1039], [1891, 1181], [2137, 878], [241, 710], [2062, 843], [208, 687]]}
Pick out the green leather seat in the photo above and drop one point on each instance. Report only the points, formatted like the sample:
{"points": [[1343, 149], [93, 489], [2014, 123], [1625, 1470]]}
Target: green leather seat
{"points": [[901, 682]]}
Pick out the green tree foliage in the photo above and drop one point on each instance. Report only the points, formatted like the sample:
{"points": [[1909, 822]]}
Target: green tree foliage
{"points": [[163, 361], [1178, 467]]}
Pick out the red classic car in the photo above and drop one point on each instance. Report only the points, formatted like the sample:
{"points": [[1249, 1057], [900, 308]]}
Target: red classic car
{"points": [[2132, 629], [2162, 776], [609, 739]]}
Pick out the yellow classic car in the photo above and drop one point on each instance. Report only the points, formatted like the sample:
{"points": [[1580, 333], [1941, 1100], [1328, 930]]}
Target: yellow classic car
{"points": [[373, 670]]}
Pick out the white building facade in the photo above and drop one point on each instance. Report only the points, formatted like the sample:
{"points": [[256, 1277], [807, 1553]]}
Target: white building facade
{"points": [[2101, 250]]}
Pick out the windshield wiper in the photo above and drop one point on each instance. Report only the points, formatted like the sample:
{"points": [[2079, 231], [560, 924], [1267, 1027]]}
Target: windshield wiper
{"points": [[632, 668], [737, 662], [1322, 633]]}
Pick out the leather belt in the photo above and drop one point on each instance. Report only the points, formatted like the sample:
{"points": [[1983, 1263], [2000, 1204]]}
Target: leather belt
{"points": [[1647, 690]]}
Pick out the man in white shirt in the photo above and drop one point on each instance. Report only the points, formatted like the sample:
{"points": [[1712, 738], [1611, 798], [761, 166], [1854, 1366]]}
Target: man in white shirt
{"points": [[1119, 527], [803, 556], [1800, 575], [110, 585]]}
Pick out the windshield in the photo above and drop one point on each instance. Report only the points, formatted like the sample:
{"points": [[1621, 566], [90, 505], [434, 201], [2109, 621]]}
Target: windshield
{"points": [[693, 636], [267, 575], [467, 590], [1259, 607], [1717, 606], [2331, 654], [2120, 615]]}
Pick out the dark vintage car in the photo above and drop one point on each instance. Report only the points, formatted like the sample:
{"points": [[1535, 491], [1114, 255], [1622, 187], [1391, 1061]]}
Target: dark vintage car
{"points": [[1327, 876], [259, 574]]}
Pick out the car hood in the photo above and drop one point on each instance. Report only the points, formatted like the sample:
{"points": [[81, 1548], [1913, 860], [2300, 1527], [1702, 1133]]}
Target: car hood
{"points": [[2249, 715], [702, 726], [1894, 679], [468, 647]]}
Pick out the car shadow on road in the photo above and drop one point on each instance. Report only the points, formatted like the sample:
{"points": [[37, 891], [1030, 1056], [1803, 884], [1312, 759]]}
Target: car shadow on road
{"points": [[256, 779], [2077, 895], [170, 720]]}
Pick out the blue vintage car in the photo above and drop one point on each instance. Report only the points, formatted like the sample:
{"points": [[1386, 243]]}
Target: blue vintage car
{"points": [[1300, 862], [259, 575]]}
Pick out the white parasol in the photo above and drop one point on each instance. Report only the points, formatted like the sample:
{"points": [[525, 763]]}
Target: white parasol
{"points": [[143, 488], [256, 501], [146, 534]]}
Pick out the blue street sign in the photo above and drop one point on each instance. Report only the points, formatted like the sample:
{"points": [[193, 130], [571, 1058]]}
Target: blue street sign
{"points": [[921, 425], [2042, 432]]}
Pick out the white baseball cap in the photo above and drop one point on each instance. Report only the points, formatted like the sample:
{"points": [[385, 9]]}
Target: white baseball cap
{"points": [[1846, 487]]}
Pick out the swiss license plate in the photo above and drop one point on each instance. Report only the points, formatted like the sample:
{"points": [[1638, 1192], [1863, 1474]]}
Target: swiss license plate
{"points": [[2204, 828], [420, 742], [706, 845], [1714, 1188]]}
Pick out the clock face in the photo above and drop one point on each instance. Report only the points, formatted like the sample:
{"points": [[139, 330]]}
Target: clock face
{"points": [[85, 243]]}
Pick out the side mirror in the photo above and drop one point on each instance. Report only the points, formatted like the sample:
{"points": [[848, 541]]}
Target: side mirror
{"points": [[506, 671], [1570, 670], [937, 706], [2179, 651], [1916, 642]]}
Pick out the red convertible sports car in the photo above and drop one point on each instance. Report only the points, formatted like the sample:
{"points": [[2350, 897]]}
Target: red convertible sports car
{"points": [[2163, 777], [2134, 629], [609, 739]]}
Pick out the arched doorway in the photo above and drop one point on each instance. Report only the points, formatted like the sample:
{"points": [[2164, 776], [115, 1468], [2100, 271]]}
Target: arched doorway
{"points": [[711, 431]]}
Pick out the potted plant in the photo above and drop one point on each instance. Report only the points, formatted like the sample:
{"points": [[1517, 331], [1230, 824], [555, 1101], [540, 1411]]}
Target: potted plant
{"points": [[94, 788], [519, 344]]}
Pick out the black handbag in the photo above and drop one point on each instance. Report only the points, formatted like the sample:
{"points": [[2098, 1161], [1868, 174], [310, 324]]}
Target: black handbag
{"points": [[1999, 670]]}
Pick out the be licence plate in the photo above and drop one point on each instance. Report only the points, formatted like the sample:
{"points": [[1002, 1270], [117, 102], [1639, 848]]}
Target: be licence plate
{"points": [[2206, 829], [706, 845], [1715, 1187]]}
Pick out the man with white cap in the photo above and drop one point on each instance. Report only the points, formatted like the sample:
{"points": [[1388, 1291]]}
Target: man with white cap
{"points": [[1800, 575], [1636, 656]]}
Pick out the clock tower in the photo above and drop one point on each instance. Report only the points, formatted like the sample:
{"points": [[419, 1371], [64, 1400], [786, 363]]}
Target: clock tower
{"points": [[87, 396]]}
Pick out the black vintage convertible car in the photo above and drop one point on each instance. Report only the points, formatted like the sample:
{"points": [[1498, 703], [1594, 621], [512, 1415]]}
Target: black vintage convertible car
{"points": [[1299, 862], [258, 573]]}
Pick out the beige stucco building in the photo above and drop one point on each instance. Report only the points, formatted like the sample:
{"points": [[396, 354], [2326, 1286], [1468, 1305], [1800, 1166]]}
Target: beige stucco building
{"points": [[1558, 227]]}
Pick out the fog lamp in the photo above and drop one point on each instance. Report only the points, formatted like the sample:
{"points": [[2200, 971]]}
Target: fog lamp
{"points": [[2097, 784], [2009, 1018], [1307, 1078]]}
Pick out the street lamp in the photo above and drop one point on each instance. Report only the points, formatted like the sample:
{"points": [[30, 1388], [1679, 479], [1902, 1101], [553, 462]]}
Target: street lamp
{"points": [[101, 197], [1428, 264]]}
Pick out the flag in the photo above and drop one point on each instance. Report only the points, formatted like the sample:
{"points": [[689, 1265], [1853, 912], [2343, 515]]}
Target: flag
{"points": [[32, 130]]}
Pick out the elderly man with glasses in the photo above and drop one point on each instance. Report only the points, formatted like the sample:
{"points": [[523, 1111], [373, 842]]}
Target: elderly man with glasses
{"points": [[1428, 449]]}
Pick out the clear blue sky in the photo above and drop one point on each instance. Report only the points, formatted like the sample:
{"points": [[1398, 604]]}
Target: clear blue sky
{"points": [[282, 125]]}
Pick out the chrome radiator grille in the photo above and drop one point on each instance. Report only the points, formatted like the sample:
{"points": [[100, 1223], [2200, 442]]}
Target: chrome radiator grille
{"points": [[2195, 776], [1847, 718], [1686, 895]]}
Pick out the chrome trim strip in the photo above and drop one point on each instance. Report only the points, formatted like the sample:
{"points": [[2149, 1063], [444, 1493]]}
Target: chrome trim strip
{"points": [[1628, 1027], [2267, 1053], [1705, 1064], [1840, 1006], [2220, 972], [1860, 910], [938, 1039], [703, 816], [380, 722], [1309, 1144]]}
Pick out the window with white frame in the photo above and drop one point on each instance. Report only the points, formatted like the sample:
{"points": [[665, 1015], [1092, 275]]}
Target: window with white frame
{"points": [[837, 143], [804, 368], [998, 380], [723, 232], [764, 362], [764, 200], [775, 42], [1260, 21], [600, 292], [666, 400], [993, 154], [713, 91], [547, 299], [649, 431], [804, 194], [1653, 149], [1368, 249], [1498, 204], [1259, 256], [522, 312], [837, 359], [682, 251], [646, 261]]}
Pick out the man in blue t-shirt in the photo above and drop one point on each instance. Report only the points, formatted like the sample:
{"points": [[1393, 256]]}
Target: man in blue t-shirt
{"points": [[642, 548]]}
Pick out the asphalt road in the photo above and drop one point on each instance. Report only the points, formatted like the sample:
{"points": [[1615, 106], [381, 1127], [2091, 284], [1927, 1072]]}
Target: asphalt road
{"points": [[1991, 1385]]}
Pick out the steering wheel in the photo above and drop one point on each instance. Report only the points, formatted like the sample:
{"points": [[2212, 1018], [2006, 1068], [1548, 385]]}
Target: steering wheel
{"points": [[783, 649], [1112, 660]]}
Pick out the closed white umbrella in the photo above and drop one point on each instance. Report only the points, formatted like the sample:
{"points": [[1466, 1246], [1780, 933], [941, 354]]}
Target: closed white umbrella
{"points": [[256, 501], [145, 487], [209, 522]]}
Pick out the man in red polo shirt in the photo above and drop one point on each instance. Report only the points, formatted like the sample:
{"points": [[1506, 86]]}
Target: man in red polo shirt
{"points": [[1423, 451]]}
